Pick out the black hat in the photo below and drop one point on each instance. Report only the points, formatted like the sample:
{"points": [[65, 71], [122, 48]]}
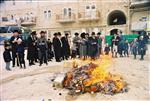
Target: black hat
{"points": [[42, 32], [82, 35], [76, 34], [33, 33], [99, 33], [59, 33], [66, 34], [55, 34], [16, 31], [87, 34], [93, 33]]}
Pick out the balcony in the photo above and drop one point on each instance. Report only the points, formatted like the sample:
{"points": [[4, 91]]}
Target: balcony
{"points": [[65, 18], [8, 22], [89, 16], [19, 21], [28, 21]]}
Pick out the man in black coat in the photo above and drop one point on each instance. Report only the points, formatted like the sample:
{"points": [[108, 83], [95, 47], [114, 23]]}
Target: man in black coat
{"points": [[42, 48], [65, 47], [31, 48], [57, 44], [13, 42], [93, 45]]}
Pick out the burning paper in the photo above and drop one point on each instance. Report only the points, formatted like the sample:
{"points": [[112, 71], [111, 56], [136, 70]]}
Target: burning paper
{"points": [[93, 78]]}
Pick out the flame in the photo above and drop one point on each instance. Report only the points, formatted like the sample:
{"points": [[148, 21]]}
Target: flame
{"points": [[99, 75]]}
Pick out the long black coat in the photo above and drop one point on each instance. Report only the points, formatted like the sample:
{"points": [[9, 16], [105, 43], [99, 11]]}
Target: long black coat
{"points": [[93, 46], [57, 47], [65, 46], [31, 48], [13, 45]]}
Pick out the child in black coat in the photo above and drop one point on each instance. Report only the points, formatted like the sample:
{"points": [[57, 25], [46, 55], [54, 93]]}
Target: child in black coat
{"points": [[6, 55], [107, 49], [20, 52]]}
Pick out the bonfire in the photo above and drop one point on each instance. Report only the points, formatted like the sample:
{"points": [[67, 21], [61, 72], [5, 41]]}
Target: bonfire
{"points": [[92, 77]]}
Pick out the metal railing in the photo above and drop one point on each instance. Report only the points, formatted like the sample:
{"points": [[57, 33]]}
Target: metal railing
{"points": [[89, 15], [65, 18]]}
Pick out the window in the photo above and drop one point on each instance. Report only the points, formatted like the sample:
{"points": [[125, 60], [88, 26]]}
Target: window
{"points": [[27, 16], [87, 11], [69, 12], [65, 11], [90, 11], [116, 17], [90, 7], [12, 17], [49, 13], [87, 7], [93, 6], [45, 14]]}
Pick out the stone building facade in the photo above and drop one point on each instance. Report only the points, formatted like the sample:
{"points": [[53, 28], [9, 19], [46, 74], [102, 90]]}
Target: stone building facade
{"points": [[105, 16]]}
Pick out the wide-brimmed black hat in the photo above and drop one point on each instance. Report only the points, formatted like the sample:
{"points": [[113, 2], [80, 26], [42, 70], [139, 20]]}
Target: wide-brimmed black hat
{"points": [[42, 32], [76, 33], [82, 35], [59, 33], [55, 34], [87, 34], [16, 31], [93, 33], [66, 34], [99, 33], [33, 33]]}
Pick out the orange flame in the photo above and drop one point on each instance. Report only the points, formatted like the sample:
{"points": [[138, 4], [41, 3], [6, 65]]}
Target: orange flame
{"points": [[100, 75]]}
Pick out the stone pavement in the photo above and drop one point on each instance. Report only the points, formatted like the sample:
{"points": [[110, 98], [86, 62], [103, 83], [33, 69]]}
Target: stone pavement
{"points": [[34, 82]]}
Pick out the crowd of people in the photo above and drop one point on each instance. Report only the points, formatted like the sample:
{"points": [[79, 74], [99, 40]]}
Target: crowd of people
{"points": [[84, 45]]}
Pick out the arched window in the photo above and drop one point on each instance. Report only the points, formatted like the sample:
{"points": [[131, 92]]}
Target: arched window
{"points": [[116, 18]]}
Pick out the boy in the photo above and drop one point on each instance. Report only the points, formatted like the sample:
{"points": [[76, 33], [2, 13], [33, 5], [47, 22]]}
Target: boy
{"points": [[6, 55], [20, 53]]}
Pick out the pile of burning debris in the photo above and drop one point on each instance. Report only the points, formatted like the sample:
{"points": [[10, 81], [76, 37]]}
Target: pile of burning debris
{"points": [[91, 78]]}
